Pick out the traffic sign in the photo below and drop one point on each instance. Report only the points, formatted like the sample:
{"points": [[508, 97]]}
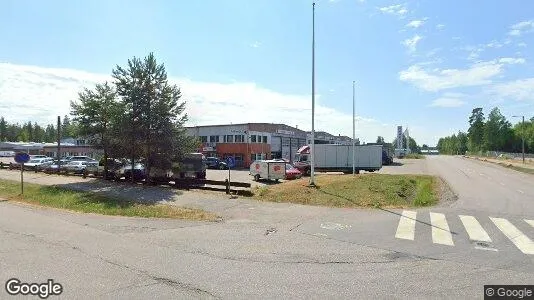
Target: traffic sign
{"points": [[22, 157], [230, 161]]}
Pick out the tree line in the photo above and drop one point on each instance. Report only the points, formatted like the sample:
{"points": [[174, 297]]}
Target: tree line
{"points": [[491, 133], [33, 132], [139, 116]]}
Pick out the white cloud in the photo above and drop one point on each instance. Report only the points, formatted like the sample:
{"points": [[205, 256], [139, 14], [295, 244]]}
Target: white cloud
{"points": [[522, 89], [398, 10], [256, 44], [411, 44], [521, 28], [415, 23], [510, 60], [440, 79], [522, 44], [31, 93], [494, 44], [447, 102], [440, 26]]}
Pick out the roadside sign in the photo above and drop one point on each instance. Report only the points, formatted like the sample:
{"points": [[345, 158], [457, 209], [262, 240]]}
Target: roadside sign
{"points": [[230, 161], [22, 157]]}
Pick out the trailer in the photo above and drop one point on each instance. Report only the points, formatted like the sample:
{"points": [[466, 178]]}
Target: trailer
{"points": [[338, 158], [387, 152], [268, 169]]}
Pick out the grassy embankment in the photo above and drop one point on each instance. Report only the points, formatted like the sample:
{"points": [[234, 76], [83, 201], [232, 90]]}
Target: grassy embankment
{"points": [[89, 202], [365, 190]]}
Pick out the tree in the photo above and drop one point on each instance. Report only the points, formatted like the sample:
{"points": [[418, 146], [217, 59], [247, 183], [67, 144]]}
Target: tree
{"points": [[424, 147], [380, 140], [3, 129], [497, 131], [475, 133], [153, 111], [95, 113], [50, 135]]}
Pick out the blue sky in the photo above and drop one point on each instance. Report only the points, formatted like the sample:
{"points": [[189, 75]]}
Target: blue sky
{"points": [[421, 64]]}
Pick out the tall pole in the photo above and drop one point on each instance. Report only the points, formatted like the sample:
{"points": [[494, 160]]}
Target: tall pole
{"points": [[58, 144], [523, 138], [312, 154], [353, 128]]}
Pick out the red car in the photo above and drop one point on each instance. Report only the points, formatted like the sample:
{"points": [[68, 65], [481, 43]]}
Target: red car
{"points": [[292, 172]]}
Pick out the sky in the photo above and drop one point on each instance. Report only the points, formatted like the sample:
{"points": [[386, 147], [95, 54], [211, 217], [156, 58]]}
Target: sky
{"points": [[420, 64]]}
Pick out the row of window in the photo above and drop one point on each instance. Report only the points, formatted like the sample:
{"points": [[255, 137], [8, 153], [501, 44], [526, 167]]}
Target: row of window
{"points": [[238, 138]]}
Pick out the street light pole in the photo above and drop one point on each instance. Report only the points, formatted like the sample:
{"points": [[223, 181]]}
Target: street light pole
{"points": [[522, 136], [353, 128], [312, 149]]}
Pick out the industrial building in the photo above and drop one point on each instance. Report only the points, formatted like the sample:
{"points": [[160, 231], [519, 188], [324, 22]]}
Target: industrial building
{"points": [[69, 147], [251, 141]]}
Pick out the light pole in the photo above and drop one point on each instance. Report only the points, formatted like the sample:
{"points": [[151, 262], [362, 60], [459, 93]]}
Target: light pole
{"points": [[312, 149], [522, 135], [353, 128]]}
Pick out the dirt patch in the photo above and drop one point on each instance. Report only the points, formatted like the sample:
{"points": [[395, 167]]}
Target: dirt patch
{"points": [[445, 194]]}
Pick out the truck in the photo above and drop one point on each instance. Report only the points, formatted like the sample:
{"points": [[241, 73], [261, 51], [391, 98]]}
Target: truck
{"points": [[387, 152], [193, 165], [338, 158], [268, 169]]}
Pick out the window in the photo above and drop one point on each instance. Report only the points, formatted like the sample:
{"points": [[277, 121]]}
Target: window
{"points": [[252, 138], [228, 138], [239, 138], [203, 139], [214, 139], [265, 139]]}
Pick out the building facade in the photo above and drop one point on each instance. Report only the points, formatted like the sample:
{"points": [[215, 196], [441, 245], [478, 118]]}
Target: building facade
{"points": [[249, 142]]}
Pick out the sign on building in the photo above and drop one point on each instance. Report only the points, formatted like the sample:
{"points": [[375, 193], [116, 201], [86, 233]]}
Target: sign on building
{"points": [[399, 137]]}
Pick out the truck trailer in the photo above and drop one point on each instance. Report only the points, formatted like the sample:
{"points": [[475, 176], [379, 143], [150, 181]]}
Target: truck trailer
{"points": [[338, 158]]}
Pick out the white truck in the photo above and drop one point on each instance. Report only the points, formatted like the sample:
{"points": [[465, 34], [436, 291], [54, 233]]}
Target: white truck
{"points": [[338, 158], [268, 169]]}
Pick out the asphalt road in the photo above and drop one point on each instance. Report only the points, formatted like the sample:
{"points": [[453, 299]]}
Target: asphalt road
{"points": [[268, 250]]}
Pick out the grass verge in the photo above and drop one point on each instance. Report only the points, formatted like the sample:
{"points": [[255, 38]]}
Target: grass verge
{"points": [[365, 190], [414, 156], [89, 202]]}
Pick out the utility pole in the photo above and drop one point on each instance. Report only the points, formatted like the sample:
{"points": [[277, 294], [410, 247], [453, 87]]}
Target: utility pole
{"points": [[353, 128], [522, 136], [312, 149], [58, 156]]}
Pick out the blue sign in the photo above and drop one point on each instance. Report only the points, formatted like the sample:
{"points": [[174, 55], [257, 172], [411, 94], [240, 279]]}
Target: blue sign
{"points": [[230, 161], [22, 157]]}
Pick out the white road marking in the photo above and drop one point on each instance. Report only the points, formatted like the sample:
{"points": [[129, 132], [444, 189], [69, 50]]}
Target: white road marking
{"points": [[521, 241], [440, 230], [487, 249], [474, 229], [521, 191], [531, 222], [334, 226], [502, 183], [406, 227], [481, 174]]}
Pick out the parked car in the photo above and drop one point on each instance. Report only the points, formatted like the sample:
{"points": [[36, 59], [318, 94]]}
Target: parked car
{"points": [[76, 167], [216, 163], [35, 163], [52, 167], [97, 169], [126, 172], [79, 158], [292, 172], [38, 156]]}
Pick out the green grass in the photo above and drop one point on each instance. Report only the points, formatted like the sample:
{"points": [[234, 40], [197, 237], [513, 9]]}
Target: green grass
{"points": [[89, 202], [414, 156], [365, 190]]}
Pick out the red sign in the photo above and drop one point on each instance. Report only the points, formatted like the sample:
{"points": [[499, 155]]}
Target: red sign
{"points": [[276, 168], [257, 166]]}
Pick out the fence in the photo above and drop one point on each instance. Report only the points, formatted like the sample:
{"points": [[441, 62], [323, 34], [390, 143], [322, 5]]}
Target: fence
{"points": [[187, 184], [501, 154]]}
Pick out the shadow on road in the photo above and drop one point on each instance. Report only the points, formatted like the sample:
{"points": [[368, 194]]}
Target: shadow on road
{"points": [[126, 192]]}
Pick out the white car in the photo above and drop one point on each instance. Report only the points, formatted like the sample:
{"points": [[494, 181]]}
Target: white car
{"points": [[35, 163]]}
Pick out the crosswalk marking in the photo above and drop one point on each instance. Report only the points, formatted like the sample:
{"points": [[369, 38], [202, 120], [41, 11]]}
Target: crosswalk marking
{"points": [[440, 230], [531, 222], [406, 228], [521, 241], [474, 229]]}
